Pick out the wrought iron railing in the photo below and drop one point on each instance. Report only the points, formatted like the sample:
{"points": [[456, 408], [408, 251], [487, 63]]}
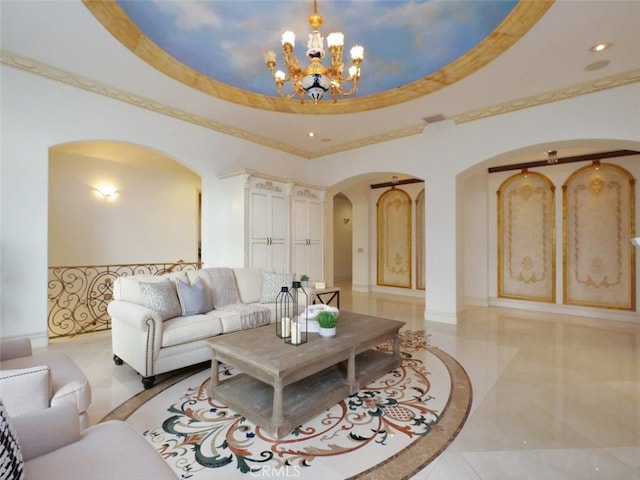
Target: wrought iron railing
{"points": [[78, 296]]}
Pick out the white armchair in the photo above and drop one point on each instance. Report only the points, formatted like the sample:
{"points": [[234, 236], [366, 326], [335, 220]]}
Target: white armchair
{"points": [[53, 447], [32, 382]]}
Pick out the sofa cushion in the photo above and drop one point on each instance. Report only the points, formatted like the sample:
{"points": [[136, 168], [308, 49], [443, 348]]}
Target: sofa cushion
{"points": [[11, 461], [23, 390], [162, 297], [251, 316], [249, 282], [127, 287], [194, 298], [272, 283], [188, 329]]}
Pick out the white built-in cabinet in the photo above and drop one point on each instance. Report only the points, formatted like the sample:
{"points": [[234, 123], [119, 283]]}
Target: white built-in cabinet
{"points": [[268, 233], [285, 227], [307, 226]]}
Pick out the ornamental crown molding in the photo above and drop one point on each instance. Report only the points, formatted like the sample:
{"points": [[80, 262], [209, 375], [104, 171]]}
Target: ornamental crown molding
{"points": [[52, 73], [551, 96]]}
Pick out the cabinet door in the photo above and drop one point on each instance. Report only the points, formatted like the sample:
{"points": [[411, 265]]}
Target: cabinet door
{"points": [[278, 218], [307, 228], [300, 220], [315, 221], [259, 254], [314, 261], [259, 218], [299, 257], [269, 226]]}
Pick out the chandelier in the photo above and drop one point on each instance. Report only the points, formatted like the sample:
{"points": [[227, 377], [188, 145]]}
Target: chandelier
{"points": [[315, 80]]}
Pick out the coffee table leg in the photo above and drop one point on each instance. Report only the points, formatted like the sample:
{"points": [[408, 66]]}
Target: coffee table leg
{"points": [[396, 347], [351, 372], [215, 379], [277, 415]]}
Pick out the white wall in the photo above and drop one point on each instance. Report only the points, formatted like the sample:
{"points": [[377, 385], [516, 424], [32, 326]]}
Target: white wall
{"points": [[38, 113], [446, 151], [154, 214], [476, 236]]}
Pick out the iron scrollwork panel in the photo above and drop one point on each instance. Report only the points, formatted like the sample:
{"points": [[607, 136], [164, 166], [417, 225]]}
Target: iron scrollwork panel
{"points": [[78, 296]]}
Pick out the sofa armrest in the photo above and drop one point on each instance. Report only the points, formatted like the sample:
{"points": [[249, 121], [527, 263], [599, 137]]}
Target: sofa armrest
{"points": [[15, 348], [46, 430], [26, 389], [133, 314]]}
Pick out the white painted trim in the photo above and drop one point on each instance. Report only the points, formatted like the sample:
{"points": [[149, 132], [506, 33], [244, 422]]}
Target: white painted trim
{"points": [[591, 312]]}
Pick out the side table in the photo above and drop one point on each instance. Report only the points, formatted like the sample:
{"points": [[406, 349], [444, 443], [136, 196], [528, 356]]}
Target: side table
{"points": [[327, 295]]}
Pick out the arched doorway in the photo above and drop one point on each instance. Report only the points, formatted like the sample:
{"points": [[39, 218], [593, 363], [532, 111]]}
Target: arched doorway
{"points": [[114, 209]]}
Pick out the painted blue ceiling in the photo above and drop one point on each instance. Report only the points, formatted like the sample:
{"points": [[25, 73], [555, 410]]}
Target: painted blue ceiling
{"points": [[404, 40]]}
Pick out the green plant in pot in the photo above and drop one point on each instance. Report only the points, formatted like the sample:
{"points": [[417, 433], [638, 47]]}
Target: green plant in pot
{"points": [[304, 279], [327, 322]]}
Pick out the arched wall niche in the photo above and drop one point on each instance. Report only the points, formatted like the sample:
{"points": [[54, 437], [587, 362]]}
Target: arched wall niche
{"points": [[478, 225]]}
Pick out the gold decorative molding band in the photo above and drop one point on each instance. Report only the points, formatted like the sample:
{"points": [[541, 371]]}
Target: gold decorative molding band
{"points": [[63, 76], [552, 96], [363, 142]]}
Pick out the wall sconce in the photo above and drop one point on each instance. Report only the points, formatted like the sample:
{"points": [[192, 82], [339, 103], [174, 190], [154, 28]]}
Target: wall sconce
{"points": [[345, 220], [107, 191]]}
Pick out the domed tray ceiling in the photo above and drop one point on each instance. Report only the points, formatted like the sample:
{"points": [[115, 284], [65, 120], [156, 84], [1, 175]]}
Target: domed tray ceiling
{"points": [[411, 48]]}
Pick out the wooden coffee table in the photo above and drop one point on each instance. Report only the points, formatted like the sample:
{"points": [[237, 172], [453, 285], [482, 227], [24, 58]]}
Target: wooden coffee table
{"points": [[281, 386]]}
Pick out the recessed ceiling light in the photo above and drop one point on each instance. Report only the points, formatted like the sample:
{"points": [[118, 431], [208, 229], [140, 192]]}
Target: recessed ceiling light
{"points": [[600, 47], [311, 134]]}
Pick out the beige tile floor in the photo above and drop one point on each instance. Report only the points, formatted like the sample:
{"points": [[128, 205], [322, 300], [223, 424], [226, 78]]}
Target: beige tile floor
{"points": [[555, 397]]}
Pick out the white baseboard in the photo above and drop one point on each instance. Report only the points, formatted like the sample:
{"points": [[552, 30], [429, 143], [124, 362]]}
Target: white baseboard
{"points": [[476, 301], [441, 317], [360, 288], [398, 291], [590, 312]]}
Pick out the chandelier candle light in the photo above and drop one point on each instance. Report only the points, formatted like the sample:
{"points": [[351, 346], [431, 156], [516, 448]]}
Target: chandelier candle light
{"points": [[316, 79]]}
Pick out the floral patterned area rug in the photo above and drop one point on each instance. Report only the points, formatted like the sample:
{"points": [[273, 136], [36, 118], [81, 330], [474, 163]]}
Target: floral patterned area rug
{"points": [[391, 429]]}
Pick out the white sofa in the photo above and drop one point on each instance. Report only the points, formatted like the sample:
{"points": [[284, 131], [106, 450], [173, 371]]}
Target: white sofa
{"points": [[49, 444], [31, 382], [153, 335]]}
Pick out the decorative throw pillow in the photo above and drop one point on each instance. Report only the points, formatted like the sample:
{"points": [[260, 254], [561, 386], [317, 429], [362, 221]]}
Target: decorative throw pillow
{"points": [[223, 286], [272, 283], [11, 461], [194, 299], [162, 297]]}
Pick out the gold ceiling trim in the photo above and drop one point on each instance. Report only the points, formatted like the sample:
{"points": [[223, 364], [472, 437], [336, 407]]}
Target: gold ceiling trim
{"points": [[552, 96], [363, 142], [53, 73], [521, 19]]}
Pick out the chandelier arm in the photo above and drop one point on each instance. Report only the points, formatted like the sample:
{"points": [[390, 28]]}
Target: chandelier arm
{"points": [[336, 60], [354, 86]]}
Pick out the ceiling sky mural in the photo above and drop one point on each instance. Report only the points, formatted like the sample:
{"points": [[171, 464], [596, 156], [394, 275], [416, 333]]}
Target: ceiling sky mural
{"points": [[404, 41]]}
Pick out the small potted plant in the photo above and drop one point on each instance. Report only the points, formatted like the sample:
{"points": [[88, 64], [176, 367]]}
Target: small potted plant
{"points": [[327, 322], [304, 279]]}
